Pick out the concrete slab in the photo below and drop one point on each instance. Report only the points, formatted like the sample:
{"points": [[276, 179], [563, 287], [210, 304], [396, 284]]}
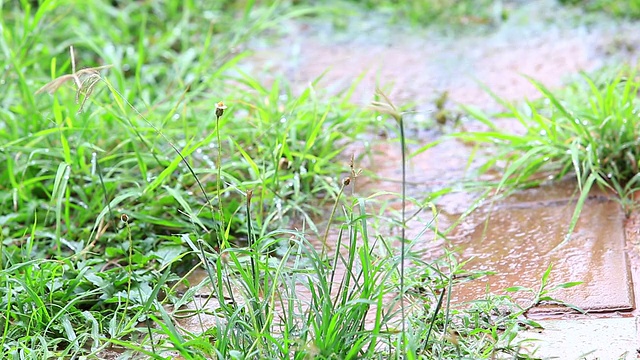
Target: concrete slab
{"points": [[587, 339], [520, 243]]}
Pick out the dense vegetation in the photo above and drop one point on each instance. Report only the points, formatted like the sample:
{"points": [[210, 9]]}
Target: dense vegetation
{"points": [[133, 153]]}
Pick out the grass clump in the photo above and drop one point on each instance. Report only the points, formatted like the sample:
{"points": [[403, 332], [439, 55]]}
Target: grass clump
{"points": [[588, 130], [452, 12], [630, 8]]}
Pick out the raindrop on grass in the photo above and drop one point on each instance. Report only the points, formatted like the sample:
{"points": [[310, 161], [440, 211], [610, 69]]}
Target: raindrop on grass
{"points": [[278, 203], [175, 117], [94, 160], [609, 175], [283, 120]]}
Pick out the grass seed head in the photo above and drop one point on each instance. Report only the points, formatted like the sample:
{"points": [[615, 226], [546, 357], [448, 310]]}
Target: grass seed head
{"points": [[85, 81], [220, 107]]}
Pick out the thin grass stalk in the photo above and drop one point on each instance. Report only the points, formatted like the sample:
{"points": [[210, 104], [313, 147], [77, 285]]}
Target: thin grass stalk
{"points": [[255, 272], [125, 219], [220, 107], [387, 107], [104, 188], [448, 306], [403, 229], [325, 246]]}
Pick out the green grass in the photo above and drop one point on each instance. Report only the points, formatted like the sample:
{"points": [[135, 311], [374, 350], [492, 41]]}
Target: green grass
{"points": [[122, 182], [588, 131], [449, 12], [629, 8]]}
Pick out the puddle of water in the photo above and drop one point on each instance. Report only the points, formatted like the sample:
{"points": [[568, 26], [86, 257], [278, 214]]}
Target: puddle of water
{"points": [[520, 242], [421, 63]]}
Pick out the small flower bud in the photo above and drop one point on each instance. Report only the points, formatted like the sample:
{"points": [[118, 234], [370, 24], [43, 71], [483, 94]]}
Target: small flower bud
{"points": [[220, 107], [124, 218], [283, 163]]}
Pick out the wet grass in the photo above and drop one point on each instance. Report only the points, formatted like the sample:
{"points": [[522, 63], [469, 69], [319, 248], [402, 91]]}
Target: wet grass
{"points": [[628, 9], [451, 12], [588, 131], [154, 156]]}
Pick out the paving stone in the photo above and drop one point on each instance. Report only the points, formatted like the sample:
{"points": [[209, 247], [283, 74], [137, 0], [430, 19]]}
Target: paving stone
{"points": [[519, 243], [584, 339]]}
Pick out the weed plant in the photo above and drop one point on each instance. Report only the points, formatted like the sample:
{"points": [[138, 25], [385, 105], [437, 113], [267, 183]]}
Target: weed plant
{"points": [[588, 130]]}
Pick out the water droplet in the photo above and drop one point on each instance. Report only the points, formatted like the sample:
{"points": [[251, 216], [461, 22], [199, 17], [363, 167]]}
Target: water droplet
{"points": [[609, 175], [543, 132], [283, 120], [94, 160], [175, 117], [126, 67]]}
